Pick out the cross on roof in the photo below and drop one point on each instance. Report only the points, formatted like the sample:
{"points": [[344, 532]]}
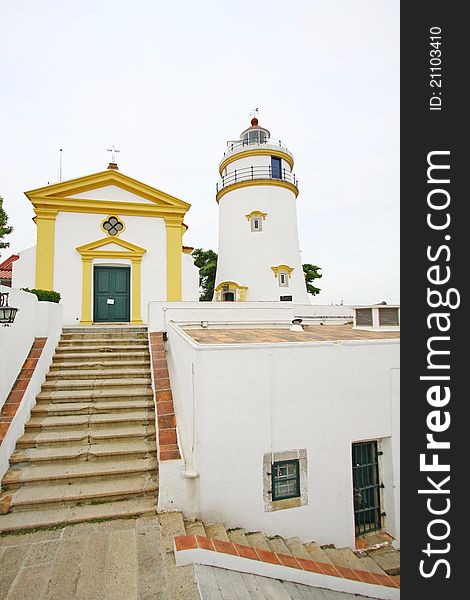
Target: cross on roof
{"points": [[113, 151]]}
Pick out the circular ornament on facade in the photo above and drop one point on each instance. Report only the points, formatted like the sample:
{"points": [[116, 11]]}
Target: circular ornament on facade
{"points": [[113, 226]]}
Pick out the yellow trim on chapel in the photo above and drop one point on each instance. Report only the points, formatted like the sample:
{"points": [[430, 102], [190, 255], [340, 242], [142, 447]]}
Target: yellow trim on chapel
{"points": [[256, 152], [45, 222], [233, 286], [93, 250], [51, 199], [250, 182]]}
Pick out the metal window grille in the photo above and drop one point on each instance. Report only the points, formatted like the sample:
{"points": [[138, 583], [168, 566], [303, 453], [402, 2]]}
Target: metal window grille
{"points": [[285, 479], [366, 487]]}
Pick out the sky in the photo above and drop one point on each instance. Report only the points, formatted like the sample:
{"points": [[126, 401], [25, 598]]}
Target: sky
{"points": [[168, 83]]}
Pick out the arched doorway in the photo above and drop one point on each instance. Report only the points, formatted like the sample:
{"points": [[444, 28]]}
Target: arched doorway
{"points": [[228, 297]]}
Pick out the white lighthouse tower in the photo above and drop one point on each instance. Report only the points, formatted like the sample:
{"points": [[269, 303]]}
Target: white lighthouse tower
{"points": [[259, 254]]}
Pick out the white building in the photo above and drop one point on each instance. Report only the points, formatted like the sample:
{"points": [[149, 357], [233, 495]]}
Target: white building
{"points": [[259, 254], [109, 244], [250, 394]]}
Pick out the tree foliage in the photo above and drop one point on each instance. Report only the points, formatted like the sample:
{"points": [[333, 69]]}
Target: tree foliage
{"points": [[206, 261], [311, 273], [5, 229]]}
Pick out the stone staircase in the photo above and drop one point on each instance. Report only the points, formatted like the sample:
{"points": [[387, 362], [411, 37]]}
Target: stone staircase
{"points": [[88, 451], [382, 558]]}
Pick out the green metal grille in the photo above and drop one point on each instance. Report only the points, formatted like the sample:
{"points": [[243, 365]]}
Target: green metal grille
{"points": [[366, 487], [285, 479]]}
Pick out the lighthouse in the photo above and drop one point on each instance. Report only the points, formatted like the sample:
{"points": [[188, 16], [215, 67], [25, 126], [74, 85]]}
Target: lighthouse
{"points": [[259, 254]]}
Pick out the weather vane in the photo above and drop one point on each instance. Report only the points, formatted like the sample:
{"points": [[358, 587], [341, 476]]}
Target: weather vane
{"points": [[254, 113], [113, 151]]}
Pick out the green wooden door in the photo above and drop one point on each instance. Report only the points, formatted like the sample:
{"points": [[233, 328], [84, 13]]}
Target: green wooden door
{"points": [[111, 294]]}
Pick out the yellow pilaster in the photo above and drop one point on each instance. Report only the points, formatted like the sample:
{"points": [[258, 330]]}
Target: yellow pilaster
{"points": [[45, 222], [135, 317], [86, 292], [174, 249]]}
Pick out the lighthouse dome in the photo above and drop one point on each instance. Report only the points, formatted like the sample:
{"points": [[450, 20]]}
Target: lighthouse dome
{"points": [[255, 134]]}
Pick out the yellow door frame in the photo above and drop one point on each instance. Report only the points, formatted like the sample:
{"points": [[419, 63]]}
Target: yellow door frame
{"points": [[93, 250]]}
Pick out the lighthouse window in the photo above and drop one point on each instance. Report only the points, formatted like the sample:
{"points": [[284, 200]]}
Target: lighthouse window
{"points": [[256, 224], [276, 172], [283, 279]]}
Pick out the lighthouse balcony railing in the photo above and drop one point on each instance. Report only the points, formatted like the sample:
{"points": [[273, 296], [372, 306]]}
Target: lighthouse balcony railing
{"points": [[240, 145], [248, 173]]}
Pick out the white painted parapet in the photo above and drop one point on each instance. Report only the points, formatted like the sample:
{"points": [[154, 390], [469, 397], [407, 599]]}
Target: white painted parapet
{"points": [[33, 319]]}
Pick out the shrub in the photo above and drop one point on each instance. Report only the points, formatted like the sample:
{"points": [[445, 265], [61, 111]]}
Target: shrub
{"points": [[44, 295]]}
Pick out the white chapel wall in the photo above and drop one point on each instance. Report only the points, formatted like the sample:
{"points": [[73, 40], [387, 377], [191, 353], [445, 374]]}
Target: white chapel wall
{"points": [[76, 229]]}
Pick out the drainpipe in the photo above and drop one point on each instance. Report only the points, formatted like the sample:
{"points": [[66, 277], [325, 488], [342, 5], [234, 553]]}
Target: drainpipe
{"points": [[190, 471]]}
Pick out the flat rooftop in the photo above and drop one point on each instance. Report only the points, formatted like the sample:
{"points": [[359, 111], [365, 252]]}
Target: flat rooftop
{"points": [[265, 335]]}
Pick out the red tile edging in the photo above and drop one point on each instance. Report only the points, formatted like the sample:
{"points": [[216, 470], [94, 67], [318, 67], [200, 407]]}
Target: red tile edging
{"points": [[193, 542], [166, 419], [16, 394]]}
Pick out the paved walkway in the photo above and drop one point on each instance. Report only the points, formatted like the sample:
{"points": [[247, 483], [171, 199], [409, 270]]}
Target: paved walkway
{"points": [[113, 560]]}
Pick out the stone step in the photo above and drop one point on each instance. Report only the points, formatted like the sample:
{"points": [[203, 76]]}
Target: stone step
{"points": [[102, 341], [277, 544], [105, 329], [194, 528], [367, 564], [88, 395], [297, 548], [97, 366], [138, 417], [216, 531], [343, 557], [237, 536], [76, 437], [64, 383], [104, 349], [72, 471], [90, 408], [96, 375], [387, 558], [118, 451], [316, 553], [66, 515], [106, 357], [257, 540], [47, 496]]}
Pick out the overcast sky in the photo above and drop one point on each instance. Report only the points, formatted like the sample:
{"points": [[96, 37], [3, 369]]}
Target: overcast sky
{"points": [[169, 83]]}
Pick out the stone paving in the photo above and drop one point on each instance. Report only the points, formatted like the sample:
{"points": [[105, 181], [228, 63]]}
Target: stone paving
{"points": [[264, 335], [113, 560]]}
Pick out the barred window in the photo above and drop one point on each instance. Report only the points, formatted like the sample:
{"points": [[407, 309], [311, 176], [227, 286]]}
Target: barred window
{"points": [[285, 479]]}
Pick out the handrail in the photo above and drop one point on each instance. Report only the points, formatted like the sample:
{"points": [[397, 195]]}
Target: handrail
{"points": [[233, 145], [248, 173]]}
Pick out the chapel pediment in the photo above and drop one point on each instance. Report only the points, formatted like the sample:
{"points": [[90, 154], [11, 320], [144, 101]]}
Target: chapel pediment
{"points": [[100, 191]]}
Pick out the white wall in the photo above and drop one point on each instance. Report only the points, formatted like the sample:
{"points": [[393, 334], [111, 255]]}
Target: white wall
{"points": [[250, 400], [190, 276], [34, 319], [75, 229], [24, 269], [161, 313]]}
